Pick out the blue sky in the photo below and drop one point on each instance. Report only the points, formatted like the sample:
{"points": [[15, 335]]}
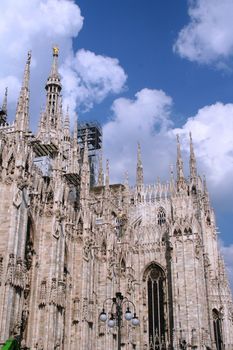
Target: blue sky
{"points": [[146, 70], [141, 35]]}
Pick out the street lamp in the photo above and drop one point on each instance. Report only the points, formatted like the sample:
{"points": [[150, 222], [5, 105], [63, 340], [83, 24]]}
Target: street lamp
{"points": [[116, 314]]}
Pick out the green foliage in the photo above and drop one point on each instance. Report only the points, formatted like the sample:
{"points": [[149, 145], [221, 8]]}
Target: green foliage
{"points": [[11, 344]]}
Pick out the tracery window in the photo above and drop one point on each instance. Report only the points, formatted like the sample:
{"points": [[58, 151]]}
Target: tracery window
{"points": [[217, 323], [161, 216], [156, 308]]}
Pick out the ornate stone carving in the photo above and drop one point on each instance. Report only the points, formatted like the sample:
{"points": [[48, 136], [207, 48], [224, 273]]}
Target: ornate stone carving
{"points": [[111, 272], [53, 292], [19, 274], [85, 309], [29, 254], [17, 198], [10, 270], [43, 293], [76, 310], [61, 294], [87, 248]]}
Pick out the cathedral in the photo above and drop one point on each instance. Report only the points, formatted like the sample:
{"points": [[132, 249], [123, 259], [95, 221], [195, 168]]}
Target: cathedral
{"points": [[90, 265]]}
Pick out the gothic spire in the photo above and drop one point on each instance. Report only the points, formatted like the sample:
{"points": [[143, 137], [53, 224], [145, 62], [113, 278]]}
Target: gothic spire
{"points": [[66, 130], [85, 173], [75, 133], [107, 177], [22, 110], [4, 103], [100, 171], [66, 127], [85, 151], [179, 161], [172, 182], [126, 188], [205, 193], [192, 161], [54, 69], [139, 174], [53, 88], [74, 151], [3, 110], [59, 126]]}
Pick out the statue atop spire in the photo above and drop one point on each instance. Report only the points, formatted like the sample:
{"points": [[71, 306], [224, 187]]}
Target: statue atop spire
{"points": [[139, 174], [3, 110], [54, 70], [22, 110]]}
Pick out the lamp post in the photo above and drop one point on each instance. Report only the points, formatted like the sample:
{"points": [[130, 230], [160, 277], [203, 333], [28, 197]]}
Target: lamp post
{"points": [[116, 314]]}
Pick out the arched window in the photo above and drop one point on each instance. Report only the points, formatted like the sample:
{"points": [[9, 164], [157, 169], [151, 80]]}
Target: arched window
{"points": [[161, 216], [194, 190], [188, 231], [156, 307], [104, 248], [177, 232], [217, 323], [123, 266]]}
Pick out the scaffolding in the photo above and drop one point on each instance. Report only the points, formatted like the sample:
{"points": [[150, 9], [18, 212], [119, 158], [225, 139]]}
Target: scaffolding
{"points": [[94, 135], [93, 130]]}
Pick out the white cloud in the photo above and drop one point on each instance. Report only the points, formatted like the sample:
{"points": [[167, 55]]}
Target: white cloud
{"points": [[38, 25], [88, 78], [34, 25], [227, 252], [212, 130], [145, 119], [209, 35]]}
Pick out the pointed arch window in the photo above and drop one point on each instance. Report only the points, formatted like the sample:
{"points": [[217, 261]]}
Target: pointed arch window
{"points": [[123, 266], [104, 247], [217, 323], [161, 216], [177, 232], [156, 307]]}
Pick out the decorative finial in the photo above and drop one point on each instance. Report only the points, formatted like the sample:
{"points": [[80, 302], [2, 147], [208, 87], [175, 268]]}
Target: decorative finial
{"points": [[29, 56]]}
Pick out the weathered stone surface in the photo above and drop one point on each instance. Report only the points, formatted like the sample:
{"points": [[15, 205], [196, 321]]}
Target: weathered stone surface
{"points": [[65, 248]]}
